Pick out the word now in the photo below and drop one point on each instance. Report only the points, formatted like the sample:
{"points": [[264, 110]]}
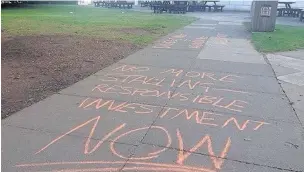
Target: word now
{"points": [[216, 160]]}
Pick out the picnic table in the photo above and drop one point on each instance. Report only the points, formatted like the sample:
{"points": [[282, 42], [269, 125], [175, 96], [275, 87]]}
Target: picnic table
{"points": [[176, 7], [113, 4], [214, 2], [288, 11], [215, 6], [195, 6], [287, 4]]}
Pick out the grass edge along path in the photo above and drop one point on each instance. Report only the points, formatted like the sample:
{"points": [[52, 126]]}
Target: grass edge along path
{"points": [[284, 38], [115, 24]]}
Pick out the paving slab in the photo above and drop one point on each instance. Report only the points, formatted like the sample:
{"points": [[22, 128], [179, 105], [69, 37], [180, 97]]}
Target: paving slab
{"points": [[162, 58], [233, 67], [227, 29], [286, 61], [268, 106], [233, 29], [300, 112], [234, 50], [81, 114], [169, 160], [199, 80], [166, 160], [146, 70], [281, 70], [66, 153], [142, 84], [166, 75], [295, 94], [98, 87], [298, 54], [275, 144], [182, 41], [289, 69], [294, 78]]}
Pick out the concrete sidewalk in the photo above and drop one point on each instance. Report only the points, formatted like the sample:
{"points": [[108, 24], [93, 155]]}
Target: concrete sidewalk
{"points": [[289, 69], [200, 99]]}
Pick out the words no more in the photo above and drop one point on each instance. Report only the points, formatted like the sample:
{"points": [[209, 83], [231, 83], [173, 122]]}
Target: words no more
{"points": [[180, 72]]}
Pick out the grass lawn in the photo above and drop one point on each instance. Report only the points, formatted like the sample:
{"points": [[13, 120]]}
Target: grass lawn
{"points": [[49, 47], [284, 38], [136, 27]]}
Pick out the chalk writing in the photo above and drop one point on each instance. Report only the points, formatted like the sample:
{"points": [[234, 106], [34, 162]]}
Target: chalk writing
{"points": [[216, 161], [216, 101], [221, 39], [169, 42], [202, 75], [129, 78], [130, 68], [144, 166], [159, 87], [160, 82], [204, 118], [198, 42], [151, 155], [179, 36], [209, 118], [112, 105], [121, 90], [126, 77]]}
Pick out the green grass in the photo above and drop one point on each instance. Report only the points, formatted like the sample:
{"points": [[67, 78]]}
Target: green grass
{"points": [[89, 21], [284, 38]]}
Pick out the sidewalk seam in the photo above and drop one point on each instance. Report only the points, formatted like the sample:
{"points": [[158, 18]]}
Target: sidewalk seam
{"points": [[289, 101]]}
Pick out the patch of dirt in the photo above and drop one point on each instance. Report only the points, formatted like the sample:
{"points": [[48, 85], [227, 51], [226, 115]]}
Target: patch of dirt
{"points": [[35, 67], [135, 31], [5, 36]]}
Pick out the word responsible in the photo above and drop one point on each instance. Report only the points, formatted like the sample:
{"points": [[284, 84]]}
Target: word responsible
{"points": [[216, 101]]}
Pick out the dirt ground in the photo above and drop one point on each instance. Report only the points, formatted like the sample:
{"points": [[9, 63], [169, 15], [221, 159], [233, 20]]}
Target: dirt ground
{"points": [[35, 67]]}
